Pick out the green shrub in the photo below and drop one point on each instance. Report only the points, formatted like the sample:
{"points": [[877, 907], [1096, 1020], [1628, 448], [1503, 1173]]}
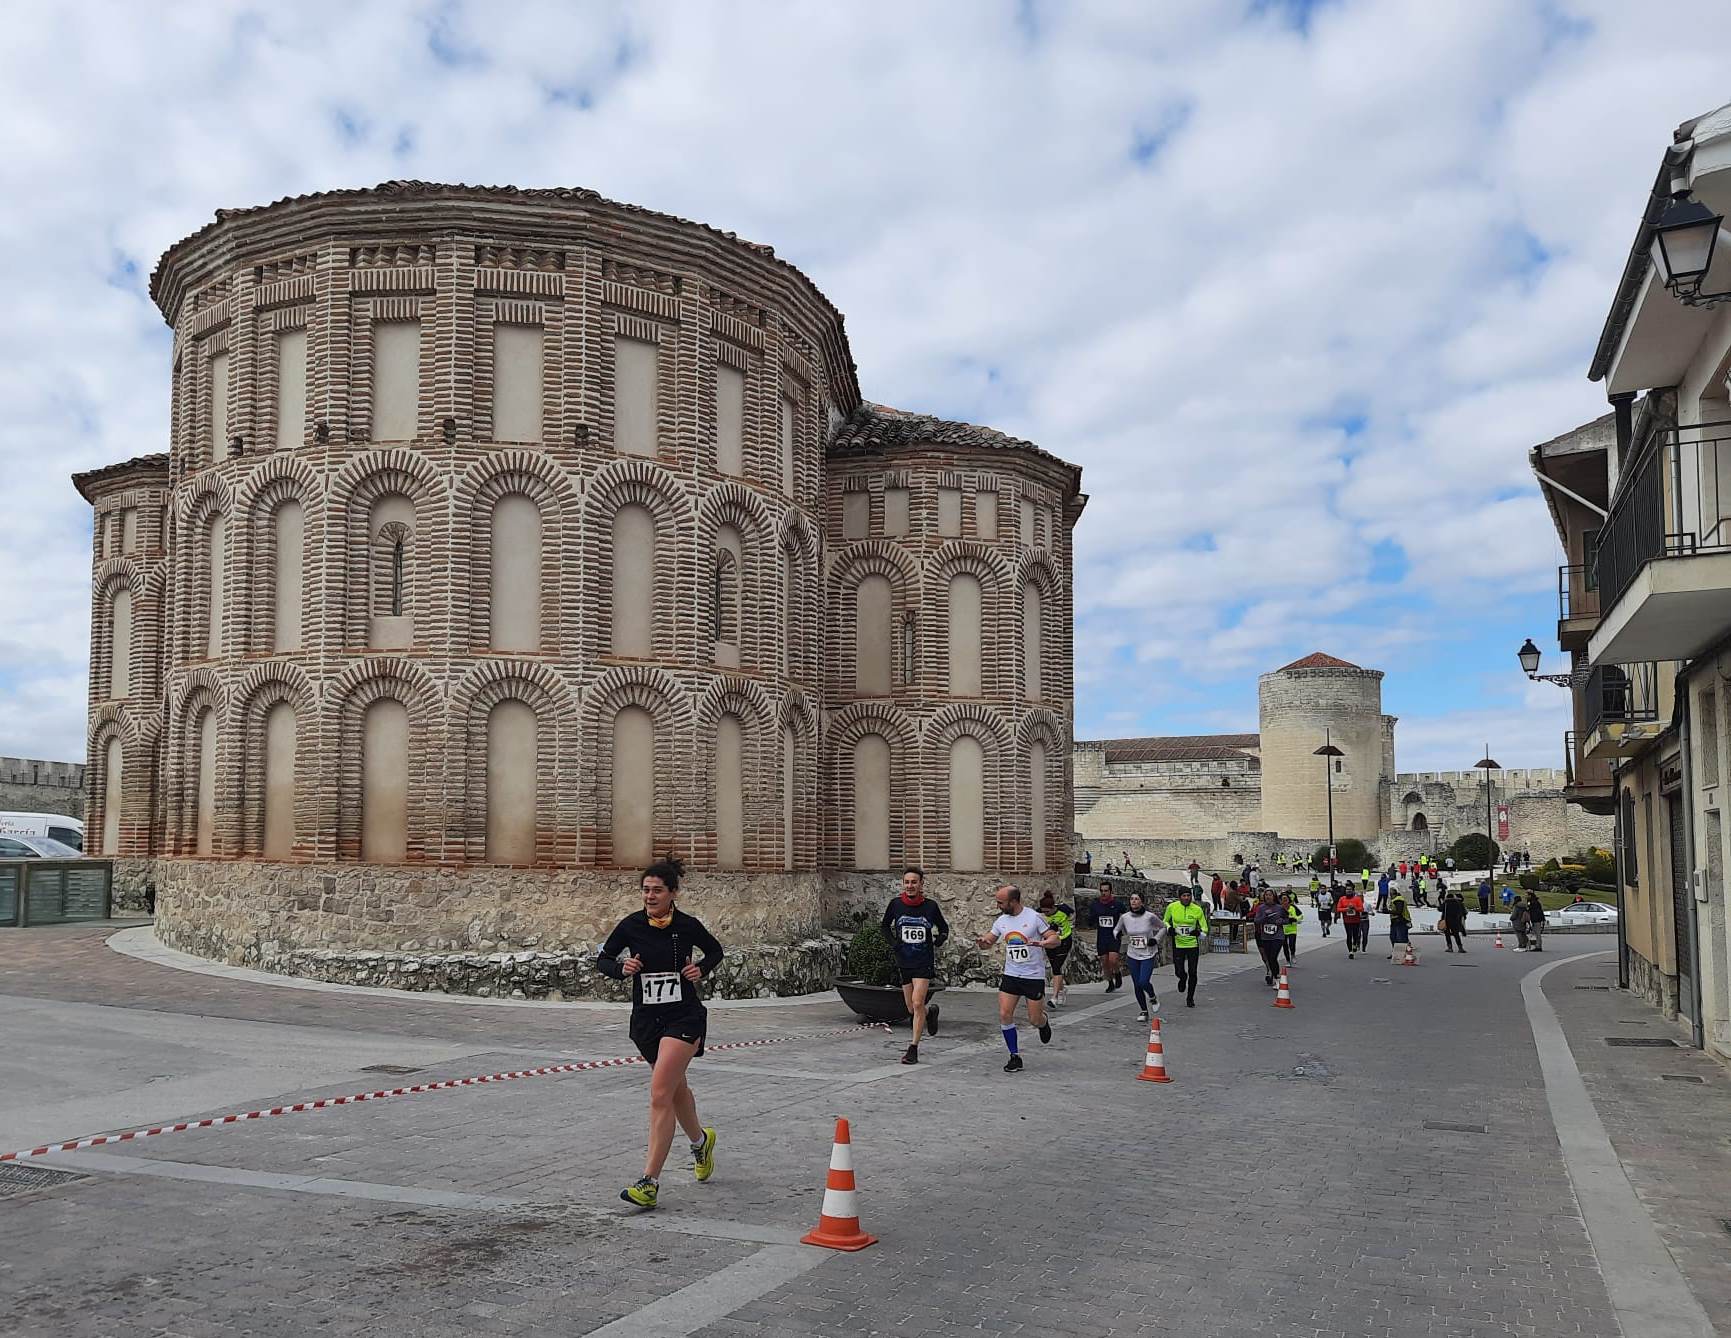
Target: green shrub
{"points": [[1354, 855], [1549, 866], [869, 957], [1600, 868], [1469, 851], [1531, 882]]}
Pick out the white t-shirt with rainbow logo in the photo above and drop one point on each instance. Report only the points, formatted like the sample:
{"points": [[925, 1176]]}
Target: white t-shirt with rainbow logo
{"points": [[1021, 934]]}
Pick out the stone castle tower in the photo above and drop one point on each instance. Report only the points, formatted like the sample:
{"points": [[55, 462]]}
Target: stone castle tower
{"points": [[507, 539], [1316, 698]]}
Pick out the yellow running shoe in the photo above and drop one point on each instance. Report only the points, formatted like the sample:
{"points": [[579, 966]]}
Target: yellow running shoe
{"points": [[703, 1157], [642, 1193]]}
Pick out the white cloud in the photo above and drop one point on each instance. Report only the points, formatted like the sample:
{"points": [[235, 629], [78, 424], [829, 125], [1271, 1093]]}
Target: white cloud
{"points": [[1334, 228]]}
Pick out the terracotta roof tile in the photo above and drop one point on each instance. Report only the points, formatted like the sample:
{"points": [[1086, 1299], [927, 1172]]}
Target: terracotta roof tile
{"points": [[1317, 660], [874, 428]]}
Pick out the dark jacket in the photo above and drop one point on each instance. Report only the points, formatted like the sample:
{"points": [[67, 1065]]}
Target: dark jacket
{"points": [[1454, 912], [1535, 909]]}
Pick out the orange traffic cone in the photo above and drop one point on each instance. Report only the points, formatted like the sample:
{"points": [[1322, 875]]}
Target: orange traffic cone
{"points": [[838, 1224], [1154, 1066], [1499, 942], [1283, 996]]}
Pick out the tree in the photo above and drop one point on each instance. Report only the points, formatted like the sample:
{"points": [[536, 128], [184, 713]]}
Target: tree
{"points": [[1469, 852], [1354, 855]]}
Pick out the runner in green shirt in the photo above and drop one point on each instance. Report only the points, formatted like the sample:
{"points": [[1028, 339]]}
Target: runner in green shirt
{"points": [[1063, 919], [1188, 921]]}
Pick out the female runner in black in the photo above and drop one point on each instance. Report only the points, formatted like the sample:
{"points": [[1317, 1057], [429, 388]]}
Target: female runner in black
{"points": [[652, 949]]}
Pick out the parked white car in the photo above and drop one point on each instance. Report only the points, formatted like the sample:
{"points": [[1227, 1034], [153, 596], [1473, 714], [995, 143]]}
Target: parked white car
{"points": [[36, 847], [1583, 913]]}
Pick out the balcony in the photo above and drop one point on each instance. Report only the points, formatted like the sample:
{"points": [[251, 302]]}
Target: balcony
{"points": [[1664, 562], [1577, 606], [1619, 711], [1590, 783]]}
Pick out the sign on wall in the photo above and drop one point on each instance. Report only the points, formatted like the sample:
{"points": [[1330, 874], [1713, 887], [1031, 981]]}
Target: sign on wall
{"points": [[1502, 822]]}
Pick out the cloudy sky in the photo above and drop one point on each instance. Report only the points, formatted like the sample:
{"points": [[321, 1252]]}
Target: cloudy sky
{"points": [[1296, 283]]}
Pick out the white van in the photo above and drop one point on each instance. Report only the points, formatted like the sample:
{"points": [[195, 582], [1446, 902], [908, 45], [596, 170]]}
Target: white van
{"points": [[67, 831]]}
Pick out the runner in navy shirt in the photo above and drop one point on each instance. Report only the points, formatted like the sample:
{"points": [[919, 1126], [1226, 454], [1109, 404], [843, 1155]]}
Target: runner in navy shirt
{"points": [[916, 929], [1103, 913]]}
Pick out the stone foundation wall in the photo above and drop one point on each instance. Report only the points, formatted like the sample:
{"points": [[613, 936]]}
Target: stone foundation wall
{"points": [[501, 932], [1653, 984]]}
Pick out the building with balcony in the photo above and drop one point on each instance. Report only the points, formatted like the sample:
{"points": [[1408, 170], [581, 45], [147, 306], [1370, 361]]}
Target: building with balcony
{"points": [[509, 539], [1653, 677]]}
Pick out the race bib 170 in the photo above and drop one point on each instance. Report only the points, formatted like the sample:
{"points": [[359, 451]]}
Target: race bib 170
{"points": [[660, 987], [1019, 953]]}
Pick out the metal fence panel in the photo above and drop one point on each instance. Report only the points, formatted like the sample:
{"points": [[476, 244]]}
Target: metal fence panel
{"points": [[50, 892], [11, 880]]}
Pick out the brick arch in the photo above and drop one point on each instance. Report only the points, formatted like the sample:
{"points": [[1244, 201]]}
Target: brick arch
{"points": [[107, 722], [942, 730], [196, 692], [200, 507], [736, 505], [848, 726], [558, 773], [348, 697], [206, 489], [795, 713], [258, 690], [873, 558], [655, 691], [1042, 725], [626, 482], [279, 479], [357, 486], [800, 600], [1037, 570], [544, 483], [112, 576], [955, 558], [731, 694]]}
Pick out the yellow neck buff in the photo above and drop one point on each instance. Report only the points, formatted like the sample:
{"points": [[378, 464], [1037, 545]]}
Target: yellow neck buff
{"points": [[662, 922]]}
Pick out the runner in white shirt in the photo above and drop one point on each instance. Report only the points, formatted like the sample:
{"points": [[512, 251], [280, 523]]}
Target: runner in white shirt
{"points": [[1026, 936], [1139, 930]]}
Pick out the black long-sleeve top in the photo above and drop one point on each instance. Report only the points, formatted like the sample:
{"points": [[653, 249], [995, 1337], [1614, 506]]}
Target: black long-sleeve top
{"points": [[916, 932], [663, 952]]}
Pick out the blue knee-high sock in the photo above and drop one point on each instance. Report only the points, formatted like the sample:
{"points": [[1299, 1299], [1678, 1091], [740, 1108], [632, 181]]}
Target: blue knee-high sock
{"points": [[1010, 1038]]}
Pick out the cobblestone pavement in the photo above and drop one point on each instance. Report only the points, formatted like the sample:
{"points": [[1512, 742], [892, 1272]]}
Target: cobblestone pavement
{"points": [[1283, 1184]]}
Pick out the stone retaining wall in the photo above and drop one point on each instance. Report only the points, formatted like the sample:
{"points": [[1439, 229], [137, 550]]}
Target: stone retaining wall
{"points": [[529, 933]]}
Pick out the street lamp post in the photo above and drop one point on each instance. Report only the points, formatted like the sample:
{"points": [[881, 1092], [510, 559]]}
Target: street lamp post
{"points": [[1327, 751], [1488, 764]]}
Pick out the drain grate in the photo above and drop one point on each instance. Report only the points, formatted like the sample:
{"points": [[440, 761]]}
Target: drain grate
{"points": [[395, 1070], [1655, 1042], [1603, 988], [1681, 1077], [17, 1178], [1448, 1128]]}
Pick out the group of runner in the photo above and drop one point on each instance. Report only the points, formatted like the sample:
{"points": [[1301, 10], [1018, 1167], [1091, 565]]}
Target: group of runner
{"points": [[666, 954]]}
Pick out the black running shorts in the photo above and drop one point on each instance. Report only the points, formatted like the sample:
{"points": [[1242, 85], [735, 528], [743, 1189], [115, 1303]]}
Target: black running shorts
{"points": [[922, 968], [649, 1025], [1022, 987], [1058, 956]]}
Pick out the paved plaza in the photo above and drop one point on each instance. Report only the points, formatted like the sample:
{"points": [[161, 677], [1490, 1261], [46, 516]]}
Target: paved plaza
{"points": [[1394, 1156]]}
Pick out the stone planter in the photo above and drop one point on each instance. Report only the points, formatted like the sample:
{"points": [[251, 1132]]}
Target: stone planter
{"points": [[878, 1003]]}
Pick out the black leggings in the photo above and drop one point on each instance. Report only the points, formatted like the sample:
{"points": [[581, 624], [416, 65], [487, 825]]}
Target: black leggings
{"points": [[1270, 954], [1291, 946], [1184, 962]]}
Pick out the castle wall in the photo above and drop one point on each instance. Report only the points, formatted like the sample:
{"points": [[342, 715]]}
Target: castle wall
{"points": [[29, 786]]}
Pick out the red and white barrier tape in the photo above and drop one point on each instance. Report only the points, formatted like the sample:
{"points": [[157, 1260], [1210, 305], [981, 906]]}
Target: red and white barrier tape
{"points": [[581, 1066]]}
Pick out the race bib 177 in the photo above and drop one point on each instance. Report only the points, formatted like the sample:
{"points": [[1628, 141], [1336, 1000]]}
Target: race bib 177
{"points": [[660, 987]]}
